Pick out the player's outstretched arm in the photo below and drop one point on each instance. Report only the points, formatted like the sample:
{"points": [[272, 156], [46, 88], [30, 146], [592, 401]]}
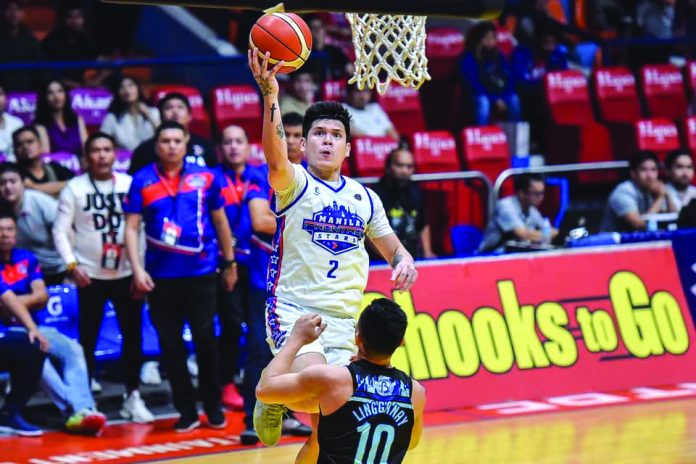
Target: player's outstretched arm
{"points": [[275, 148], [418, 400], [404, 274], [278, 384]]}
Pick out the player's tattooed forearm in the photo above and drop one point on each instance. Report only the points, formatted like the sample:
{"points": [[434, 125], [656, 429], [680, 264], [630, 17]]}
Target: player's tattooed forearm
{"points": [[398, 257], [265, 87], [273, 110], [280, 131]]}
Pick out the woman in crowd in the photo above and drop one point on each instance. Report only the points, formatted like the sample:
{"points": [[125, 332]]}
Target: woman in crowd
{"points": [[130, 120], [61, 130]]}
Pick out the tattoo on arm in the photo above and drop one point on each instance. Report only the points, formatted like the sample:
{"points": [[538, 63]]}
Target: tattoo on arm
{"points": [[280, 131], [265, 87], [273, 109], [398, 257]]}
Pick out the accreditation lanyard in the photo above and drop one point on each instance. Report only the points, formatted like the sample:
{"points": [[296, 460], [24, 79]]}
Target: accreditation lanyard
{"points": [[111, 251], [173, 194]]}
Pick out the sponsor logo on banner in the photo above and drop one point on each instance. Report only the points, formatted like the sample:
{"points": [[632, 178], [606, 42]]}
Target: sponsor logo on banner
{"points": [[531, 326]]}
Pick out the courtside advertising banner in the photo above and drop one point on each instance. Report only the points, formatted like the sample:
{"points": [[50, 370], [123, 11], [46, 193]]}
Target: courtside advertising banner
{"points": [[538, 325]]}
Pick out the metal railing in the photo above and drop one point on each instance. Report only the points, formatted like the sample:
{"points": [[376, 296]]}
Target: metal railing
{"points": [[553, 169], [460, 175]]}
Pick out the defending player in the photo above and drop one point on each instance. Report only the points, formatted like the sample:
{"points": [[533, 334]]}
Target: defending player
{"points": [[370, 411], [319, 263]]}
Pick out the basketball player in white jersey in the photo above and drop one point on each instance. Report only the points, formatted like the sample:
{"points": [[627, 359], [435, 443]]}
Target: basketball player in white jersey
{"points": [[319, 264]]}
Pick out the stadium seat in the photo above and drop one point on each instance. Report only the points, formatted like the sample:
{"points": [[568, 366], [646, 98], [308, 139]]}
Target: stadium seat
{"points": [[240, 105], [465, 239], [443, 46], [446, 202], [91, 104], [67, 160], [662, 87], [485, 149], [617, 96], [658, 135], [333, 91], [200, 121], [22, 105], [403, 106], [435, 151], [368, 155], [573, 135], [505, 38], [619, 106], [689, 135]]}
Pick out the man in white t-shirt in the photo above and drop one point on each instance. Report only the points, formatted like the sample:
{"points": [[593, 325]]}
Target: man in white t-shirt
{"points": [[319, 263], [680, 169], [8, 124], [91, 208], [367, 119]]}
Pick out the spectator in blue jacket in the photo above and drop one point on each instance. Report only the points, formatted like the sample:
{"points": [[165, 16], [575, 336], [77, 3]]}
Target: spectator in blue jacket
{"points": [[487, 78]]}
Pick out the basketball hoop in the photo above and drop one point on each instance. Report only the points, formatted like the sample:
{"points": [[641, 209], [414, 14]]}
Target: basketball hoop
{"points": [[388, 48]]}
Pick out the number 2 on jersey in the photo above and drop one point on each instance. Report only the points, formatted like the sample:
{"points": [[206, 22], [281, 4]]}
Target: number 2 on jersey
{"points": [[332, 272], [375, 442]]}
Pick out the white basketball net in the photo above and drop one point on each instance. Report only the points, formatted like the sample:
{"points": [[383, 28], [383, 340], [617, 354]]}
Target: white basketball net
{"points": [[388, 48]]}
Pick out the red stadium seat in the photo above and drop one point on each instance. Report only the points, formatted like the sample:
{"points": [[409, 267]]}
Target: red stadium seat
{"points": [[22, 105], [617, 96], [240, 105], [663, 89], [485, 149], [403, 106], [573, 135], [505, 39], [690, 134], [91, 104], [200, 121], [568, 98], [443, 46], [334, 91], [368, 154], [658, 135], [619, 107], [435, 151]]}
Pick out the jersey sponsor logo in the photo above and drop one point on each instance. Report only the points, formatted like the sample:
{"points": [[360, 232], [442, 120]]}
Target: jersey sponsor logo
{"points": [[382, 386], [196, 181], [335, 228]]}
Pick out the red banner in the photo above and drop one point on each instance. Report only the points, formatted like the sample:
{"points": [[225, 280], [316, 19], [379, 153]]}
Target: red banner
{"points": [[534, 326]]}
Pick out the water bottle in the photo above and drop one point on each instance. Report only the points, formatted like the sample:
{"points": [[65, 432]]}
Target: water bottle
{"points": [[546, 231]]}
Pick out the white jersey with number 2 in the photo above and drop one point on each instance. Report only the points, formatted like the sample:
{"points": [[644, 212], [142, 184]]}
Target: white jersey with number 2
{"points": [[319, 262]]}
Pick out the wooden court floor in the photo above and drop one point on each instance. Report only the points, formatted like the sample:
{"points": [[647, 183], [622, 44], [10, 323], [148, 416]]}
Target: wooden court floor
{"points": [[661, 432]]}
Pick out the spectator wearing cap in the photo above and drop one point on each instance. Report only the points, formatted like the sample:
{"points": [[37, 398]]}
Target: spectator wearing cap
{"points": [[35, 212], [45, 176], [8, 124], [89, 235], [643, 194], [186, 229], [130, 121], [680, 170], [175, 107], [517, 217], [18, 45]]}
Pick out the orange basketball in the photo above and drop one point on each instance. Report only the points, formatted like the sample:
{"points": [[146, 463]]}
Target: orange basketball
{"points": [[286, 36]]}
